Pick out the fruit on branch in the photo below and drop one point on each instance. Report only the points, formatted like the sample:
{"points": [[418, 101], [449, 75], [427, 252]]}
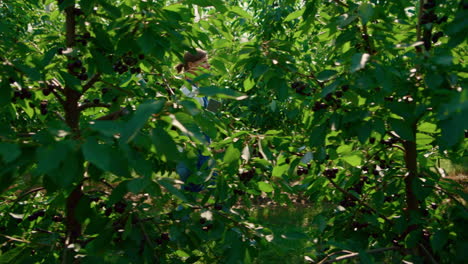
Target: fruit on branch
{"points": [[301, 88], [247, 175], [436, 36], [301, 171], [330, 173], [37, 214], [239, 192]]}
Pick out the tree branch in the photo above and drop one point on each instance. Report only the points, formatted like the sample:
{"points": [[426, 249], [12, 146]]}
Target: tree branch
{"points": [[114, 115], [357, 200], [91, 105], [96, 77]]}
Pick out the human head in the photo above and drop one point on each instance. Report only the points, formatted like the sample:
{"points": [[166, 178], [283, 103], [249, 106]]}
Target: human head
{"points": [[193, 61]]}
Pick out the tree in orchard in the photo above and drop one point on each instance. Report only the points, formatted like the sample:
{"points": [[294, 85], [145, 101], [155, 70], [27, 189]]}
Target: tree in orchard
{"points": [[349, 104]]}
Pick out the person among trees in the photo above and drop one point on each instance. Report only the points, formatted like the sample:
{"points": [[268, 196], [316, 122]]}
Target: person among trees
{"points": [[192, 66]]}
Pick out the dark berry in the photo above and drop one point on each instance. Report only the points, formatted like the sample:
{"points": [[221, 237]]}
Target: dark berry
{"points": [[141, 56], [96, 100], [83, 76], [46, 91], [218, 207], [78, 12], [44, 111], [108, 211], [119, 207], [78, 63], [104, 90], [135, 70], [239, 192], [339, 94], [442, 20], [130, 61], [372, 140], [165, 236], [429, 5], [57, 218]]}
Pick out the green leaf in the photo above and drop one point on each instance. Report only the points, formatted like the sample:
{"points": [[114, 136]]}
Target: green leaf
{"points": [[280, 87], [439, 239], [239, 11], [265, 187], [221, 93], [103, 39], [402, 128], [102, 63], [187, 125], [111, 9], [364, 132], [326, 75], [143, 112], [165, 144], [427, 127], [168, 183], [71, 81], [14, 255], [259, 70], [9, 151], [359, 61], [31, 72], [353, 160], [232, 155], [344, 149], [453, 129], [294, 15], [248, 84], [87, 5], [317, 136], [366, 12], [280, 170], [5, 93], [147, 41], [137, 185], [98, 154], [50, 157]]}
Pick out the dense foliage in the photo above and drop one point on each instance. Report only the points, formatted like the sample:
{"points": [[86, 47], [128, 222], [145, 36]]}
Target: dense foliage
{"points": [[347, 106]]}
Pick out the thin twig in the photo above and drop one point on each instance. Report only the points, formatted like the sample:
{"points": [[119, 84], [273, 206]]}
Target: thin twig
{"points": [[356, 254], [340, 3], [114, 115], [60, 116], [117, 88], [59, 97], [428, 254], [26, 193]]}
